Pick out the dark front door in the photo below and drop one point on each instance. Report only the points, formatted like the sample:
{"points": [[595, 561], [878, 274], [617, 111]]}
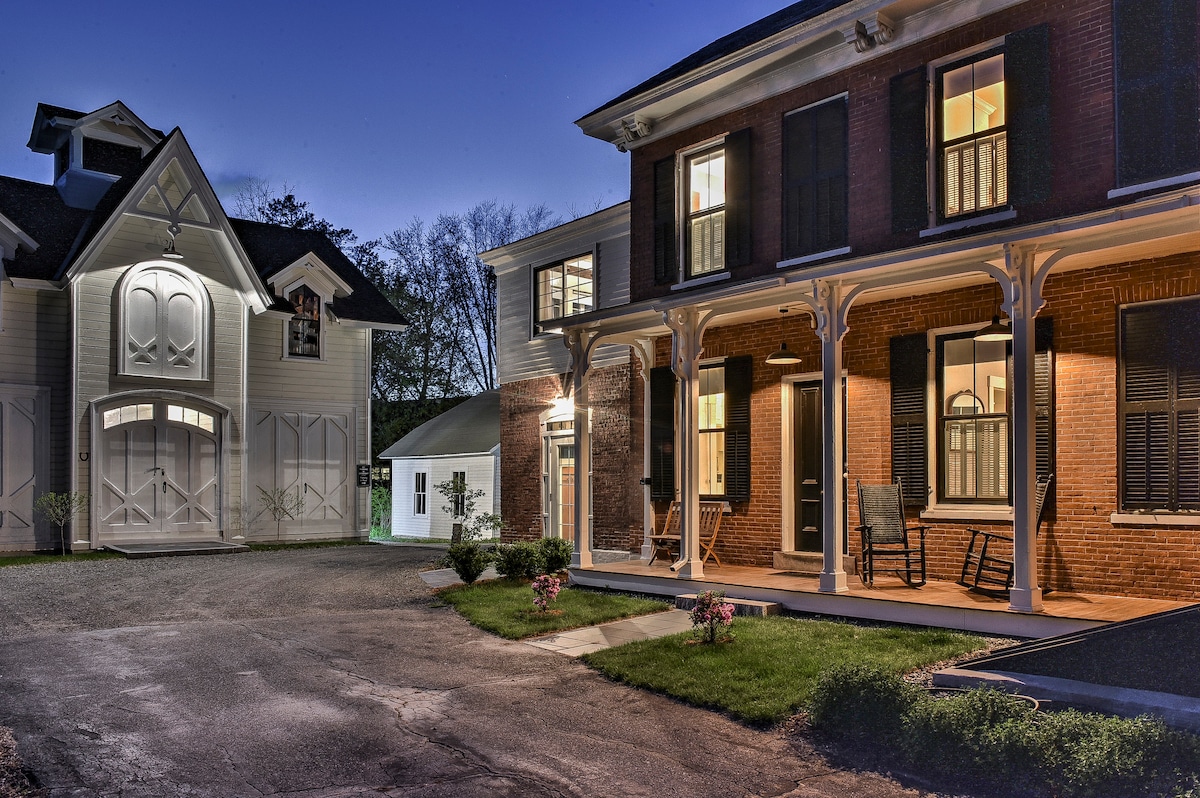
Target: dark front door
{"points": [[806, 457]]}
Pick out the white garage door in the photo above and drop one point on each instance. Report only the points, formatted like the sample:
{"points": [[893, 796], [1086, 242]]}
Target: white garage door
{"points": [[24, 439]]}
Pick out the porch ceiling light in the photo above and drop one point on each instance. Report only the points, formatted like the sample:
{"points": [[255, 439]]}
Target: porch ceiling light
{"points": [[782, 356], [994, 331]]}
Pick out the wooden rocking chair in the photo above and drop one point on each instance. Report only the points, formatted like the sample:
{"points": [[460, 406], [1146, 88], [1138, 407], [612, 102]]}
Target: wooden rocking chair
{"points": [[986, 571], [885, 534]]}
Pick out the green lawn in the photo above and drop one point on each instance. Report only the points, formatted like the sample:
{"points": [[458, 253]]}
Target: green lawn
{"points": [[505, 607], [34, 559], [768, 671]]}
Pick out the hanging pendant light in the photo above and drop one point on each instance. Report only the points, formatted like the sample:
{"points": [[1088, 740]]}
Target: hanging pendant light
{"points": [[782, 356], [169, 250], [994, 331]]}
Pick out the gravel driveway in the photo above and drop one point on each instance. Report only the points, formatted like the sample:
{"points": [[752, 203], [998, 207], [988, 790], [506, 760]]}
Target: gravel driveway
{"points": [[335, 672]]}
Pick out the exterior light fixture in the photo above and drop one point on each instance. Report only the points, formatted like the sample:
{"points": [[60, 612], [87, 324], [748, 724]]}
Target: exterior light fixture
{"points": [[994, 331], [782, 356], [169, 250]]}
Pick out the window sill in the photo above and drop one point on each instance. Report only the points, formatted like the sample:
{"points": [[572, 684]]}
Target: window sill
{"points": [[705, 280], [968, 512], [974, 221], [1156, 519], [302, 359], [813, 258], [1154, 185]]}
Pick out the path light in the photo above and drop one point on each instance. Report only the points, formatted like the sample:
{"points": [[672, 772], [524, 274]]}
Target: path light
{"points": [[783, 356]]}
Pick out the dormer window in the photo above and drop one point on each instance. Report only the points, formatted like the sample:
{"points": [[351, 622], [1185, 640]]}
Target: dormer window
{"points": [[304, 328]]}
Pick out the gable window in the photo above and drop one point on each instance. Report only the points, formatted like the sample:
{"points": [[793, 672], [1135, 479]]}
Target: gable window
{"points": [[815, 179], [972, 136], [304, 328], [973, 427], [1160, 407], [563, 289], [724, 431], [1154, 72], [163, 323], [420, 493], [705, 173]]}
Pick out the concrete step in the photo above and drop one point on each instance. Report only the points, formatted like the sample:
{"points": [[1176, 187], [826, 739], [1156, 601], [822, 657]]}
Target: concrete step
{"points": [[741, 606]]}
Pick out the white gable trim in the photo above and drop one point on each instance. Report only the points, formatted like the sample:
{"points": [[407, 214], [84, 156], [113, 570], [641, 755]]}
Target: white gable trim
{"points": [[224, 241], [313, 272], [108, 123]]}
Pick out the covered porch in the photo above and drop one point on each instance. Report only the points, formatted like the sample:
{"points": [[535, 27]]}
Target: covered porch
{"points": [[937, 603]]}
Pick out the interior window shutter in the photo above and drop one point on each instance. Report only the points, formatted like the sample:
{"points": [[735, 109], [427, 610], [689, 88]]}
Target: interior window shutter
{"points": [[1154, 69], [1027, 100], [1043, 395], [909, 378], [910, 146], [662, 433], [738, 216], [666, 261], [738, 376], [1145, 383]]}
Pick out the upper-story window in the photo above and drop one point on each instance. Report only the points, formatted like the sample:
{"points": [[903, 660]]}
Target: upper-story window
{"points": [[563, 289], [304, 328], [705, 196], [163, 324], [972, 136]]}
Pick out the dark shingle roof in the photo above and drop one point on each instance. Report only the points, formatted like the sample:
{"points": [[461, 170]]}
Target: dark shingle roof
{"points": [[39, 211], [472, 427], [272, 248], [727, 45]]}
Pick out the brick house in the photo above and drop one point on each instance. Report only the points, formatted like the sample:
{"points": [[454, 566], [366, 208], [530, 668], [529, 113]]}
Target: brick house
{"points": [[893, 176]]}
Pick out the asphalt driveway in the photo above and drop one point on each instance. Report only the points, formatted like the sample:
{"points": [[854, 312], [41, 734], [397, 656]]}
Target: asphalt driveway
{"points": [[335, 672]]}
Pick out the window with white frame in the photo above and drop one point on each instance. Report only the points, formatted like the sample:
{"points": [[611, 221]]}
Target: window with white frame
{"points": [[972, 135], [973, 419], [458, 498], [304, 328], [705, 224], [712, 430], [420, 493], [563, 289]]}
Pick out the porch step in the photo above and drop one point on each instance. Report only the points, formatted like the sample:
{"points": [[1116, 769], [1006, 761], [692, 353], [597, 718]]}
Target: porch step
{"points": [[740, 606], [808, 562]]}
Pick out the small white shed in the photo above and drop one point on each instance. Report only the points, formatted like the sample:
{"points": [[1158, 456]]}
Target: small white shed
{"points": [[465, 440]]}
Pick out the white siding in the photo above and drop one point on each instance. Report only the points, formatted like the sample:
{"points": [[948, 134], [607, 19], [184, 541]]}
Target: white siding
{"points": [[481, 475]]}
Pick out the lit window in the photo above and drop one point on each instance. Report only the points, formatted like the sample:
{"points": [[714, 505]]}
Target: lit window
{"points": [[420, 493], [973, 139], [705, 173], [564, 289], [187, 415], [304, 328], [973, 419], [127, 414], [712, 431]]}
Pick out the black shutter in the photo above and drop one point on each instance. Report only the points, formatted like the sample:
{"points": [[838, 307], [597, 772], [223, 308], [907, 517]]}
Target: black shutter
{"points": [[738, 376], [1027, 98], [666, 262], [910, 146], [815, 179], [909, 377], [1043, 395], [1154, 69], [738, 216], [662, 433], [1145, 385]]}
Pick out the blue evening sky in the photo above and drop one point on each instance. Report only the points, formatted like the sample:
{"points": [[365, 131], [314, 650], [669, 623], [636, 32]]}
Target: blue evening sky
{"points": [[376, 112]]}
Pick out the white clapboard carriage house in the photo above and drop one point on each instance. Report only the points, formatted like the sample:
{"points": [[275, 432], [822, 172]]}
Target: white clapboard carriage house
{"points": [[174, 364]]}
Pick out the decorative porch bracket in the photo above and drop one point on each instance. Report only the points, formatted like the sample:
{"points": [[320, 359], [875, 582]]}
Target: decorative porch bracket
{"points": [[687, 333], [580, 343]]}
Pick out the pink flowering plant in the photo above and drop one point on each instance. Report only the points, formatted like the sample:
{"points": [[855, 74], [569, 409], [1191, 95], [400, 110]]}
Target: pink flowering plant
{"points": [[712, 615], [545, 590]]}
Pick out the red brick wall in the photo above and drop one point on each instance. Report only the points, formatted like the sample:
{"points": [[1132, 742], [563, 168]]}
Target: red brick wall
{"points": [[1079, 549], [615, 396], [1081, 136]]}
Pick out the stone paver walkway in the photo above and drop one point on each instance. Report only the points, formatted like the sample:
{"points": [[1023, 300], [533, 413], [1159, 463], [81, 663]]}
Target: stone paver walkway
{"points": [[615, 633]]}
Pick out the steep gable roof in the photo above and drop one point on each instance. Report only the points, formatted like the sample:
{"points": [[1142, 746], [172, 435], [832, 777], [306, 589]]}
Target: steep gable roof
{"points": [[472, 427], [40, 212]]}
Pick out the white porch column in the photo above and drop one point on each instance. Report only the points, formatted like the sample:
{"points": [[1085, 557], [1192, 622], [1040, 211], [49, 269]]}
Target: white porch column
{"points": [[643, 348], [579, 344], [831, 328], [687, 330], [1023, 306]]}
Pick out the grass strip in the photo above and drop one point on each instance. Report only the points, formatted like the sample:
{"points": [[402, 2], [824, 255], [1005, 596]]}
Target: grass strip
{"points": [[505, 607], [37, 559], [769, 669]]}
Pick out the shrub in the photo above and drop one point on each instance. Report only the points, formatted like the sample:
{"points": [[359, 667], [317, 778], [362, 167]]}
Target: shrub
{"points": [[468, 559], [545, 590], [520, 560], [381, 512], [945, 736], [712, 615], [556, 554], [856, 700]]}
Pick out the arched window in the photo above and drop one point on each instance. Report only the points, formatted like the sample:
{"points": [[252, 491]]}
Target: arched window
{"points": [[163, 324]]}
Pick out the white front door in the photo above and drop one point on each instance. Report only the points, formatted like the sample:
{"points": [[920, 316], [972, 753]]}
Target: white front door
{"points": [[310, 456], [159, 473]]}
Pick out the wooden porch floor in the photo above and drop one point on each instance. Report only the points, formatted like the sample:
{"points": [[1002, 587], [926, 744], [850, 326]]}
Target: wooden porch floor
{"points": [[944, 604]]}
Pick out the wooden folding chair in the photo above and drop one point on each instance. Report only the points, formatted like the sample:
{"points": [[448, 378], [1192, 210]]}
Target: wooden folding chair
{"points": [[666, 543]]}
